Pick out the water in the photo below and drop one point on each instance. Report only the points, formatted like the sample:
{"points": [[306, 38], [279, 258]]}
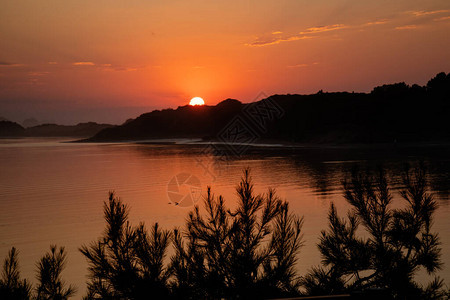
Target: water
{"points": [[52, 192]]}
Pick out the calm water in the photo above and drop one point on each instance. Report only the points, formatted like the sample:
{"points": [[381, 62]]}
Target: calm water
{"points": [[52, 192]]}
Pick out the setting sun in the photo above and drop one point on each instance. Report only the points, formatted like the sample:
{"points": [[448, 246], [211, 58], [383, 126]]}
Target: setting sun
{"points": [[197, 101]]}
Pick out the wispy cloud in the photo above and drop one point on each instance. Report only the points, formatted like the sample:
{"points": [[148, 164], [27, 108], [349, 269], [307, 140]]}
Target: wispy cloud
{"points": [[8, 64], [297, 66], [378, 22], [320, 29], [83, 63], [442, 19], [301, 65], [266, 41], [422, 13], [123, 69], [105, 67], [421, 18], [276, 36], [407, 27]]}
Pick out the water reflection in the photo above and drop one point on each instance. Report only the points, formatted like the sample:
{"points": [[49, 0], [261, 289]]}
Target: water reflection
{"points": [[321, 169]]}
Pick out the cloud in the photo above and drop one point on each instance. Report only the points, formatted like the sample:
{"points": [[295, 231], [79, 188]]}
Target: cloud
{"points": [[379, 22], [297, 66], [52, 63], [421, 18], [320, 29], [83, 63], [407, 27], [442, 19], [8, 64], [422, 13], [105, 67], [276, 37], [262, 41], [126, 69], [301, 65]]}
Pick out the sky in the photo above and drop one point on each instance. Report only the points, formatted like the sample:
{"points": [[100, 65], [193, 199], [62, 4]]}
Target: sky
{"points": [[108, 60]]}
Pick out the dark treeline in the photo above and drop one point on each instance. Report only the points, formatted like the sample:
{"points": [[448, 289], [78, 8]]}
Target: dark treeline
{"points": [[390, 113], [251, 252]]}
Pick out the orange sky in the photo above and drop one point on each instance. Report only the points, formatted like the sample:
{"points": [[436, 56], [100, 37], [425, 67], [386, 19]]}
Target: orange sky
{"points": [[74, 60]]}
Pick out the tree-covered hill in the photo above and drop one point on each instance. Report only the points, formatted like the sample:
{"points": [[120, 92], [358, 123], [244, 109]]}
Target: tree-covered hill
{"points": [[389, 113]]}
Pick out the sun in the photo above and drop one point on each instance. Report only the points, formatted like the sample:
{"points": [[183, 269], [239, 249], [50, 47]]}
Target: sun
{"points": [[197, 101]]}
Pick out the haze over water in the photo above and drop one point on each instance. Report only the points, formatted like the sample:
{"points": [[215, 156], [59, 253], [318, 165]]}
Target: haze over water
{"points": [[53, 192]]}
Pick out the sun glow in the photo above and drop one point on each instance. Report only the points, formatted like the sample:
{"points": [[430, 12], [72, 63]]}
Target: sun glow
{"points": [[197, 101]]}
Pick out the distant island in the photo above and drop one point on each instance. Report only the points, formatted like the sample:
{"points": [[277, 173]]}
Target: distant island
{"points": [[390, 113], [12, 129]]}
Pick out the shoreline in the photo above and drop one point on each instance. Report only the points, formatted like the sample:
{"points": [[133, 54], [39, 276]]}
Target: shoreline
{"points": [[271, 143]]}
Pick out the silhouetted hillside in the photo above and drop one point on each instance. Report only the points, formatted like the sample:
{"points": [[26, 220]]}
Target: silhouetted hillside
{"points": [[11, 129], [390, 113], [185, 121], [79, 130]]}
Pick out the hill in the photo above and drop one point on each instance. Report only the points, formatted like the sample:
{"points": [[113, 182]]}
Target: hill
{"points": [[389, 113], [79, 130], [11, 129], [186, 121]]}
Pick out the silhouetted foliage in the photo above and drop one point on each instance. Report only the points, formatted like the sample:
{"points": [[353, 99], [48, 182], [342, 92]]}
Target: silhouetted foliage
{"points": [[398, 242], [391, 90], [11, 285], [439, 86], [127, 262], [246, 253], [51, 286]]}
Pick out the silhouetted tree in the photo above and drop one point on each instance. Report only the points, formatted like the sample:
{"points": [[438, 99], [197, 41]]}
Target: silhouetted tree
{"points": [[51, 286], [11, 285], [250, 252], [439, 86], [400, 89], [398, 241], [126, 262]]}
